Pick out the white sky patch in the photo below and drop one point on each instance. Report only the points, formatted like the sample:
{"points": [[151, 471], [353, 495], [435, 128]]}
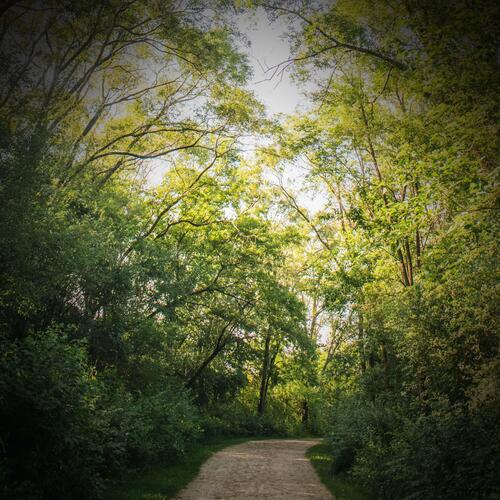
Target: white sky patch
{"points": [[267, 48], [280, 94]]}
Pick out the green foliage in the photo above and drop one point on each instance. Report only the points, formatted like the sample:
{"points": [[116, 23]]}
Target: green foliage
{"points": [[343, 488], [51, 439], [153, 427], [402, 137], [132, 312], [64, 432], [444, 454], [237, 419], [140, 312]]}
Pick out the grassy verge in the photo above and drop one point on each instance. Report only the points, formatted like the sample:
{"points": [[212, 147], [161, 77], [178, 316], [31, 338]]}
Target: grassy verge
{"points": [[164, 481], [340, 486]]}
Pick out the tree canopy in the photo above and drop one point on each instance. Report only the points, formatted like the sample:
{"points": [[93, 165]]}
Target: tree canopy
{"points": [[159, 286]]}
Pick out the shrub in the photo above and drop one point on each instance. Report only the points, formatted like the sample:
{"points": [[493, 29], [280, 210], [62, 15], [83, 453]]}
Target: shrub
{"points": [[50, 441], [442, 455], [64, 430], [237, 419], [156, 426], [397, 453]]}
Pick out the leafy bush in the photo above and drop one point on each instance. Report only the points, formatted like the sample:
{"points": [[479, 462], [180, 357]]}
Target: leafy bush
{"points": [[155, 426], [283, 415], [358, 423], [64, 430], [236, 419], [286, 408], [51, 444], [444, 454], [432, 457]]}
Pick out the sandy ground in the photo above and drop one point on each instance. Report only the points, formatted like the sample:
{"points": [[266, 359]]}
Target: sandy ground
{"points": [[274, 469]]}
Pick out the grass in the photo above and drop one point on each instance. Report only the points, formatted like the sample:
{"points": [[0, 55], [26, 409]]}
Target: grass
{"points": [[164, 481], [340, 486]]}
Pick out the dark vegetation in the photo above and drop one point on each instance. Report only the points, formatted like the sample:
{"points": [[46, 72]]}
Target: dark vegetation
{"points": [[341, 486], [141, 314]]}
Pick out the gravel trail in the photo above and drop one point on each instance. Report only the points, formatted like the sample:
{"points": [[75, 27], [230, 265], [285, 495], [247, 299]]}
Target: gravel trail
{"points": [[258, 470]]}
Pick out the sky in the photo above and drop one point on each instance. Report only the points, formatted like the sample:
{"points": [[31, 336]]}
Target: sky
{"points": [[280, 94], [266, 48]]}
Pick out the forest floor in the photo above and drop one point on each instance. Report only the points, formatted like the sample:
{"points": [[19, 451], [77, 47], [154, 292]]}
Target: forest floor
{"points": [[271, 469]]}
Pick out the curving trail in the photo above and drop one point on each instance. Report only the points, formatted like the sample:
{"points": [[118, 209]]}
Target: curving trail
{"points": [[258, 470]]}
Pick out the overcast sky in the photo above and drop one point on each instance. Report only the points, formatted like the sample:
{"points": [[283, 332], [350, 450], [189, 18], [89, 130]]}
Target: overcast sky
{"points": [[268, 48]]}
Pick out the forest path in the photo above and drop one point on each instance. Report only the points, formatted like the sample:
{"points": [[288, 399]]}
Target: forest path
{"points": [[270, 469]]}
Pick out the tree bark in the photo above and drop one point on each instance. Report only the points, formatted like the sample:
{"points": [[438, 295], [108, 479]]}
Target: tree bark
{"points": [[361, 334], [265, 375]]}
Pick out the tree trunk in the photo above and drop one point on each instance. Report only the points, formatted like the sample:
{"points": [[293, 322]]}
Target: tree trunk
{"points": [[222, 341], [404, 271], [385, 362], [265, 374], [315, 312], [361, 335], [305, 412]]}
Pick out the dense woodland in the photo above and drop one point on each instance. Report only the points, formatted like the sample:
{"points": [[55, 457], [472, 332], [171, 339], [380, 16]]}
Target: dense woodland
{"points": [[139, 318]]}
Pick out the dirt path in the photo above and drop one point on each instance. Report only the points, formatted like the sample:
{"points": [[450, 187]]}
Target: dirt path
{"points": [[274, 469]]}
